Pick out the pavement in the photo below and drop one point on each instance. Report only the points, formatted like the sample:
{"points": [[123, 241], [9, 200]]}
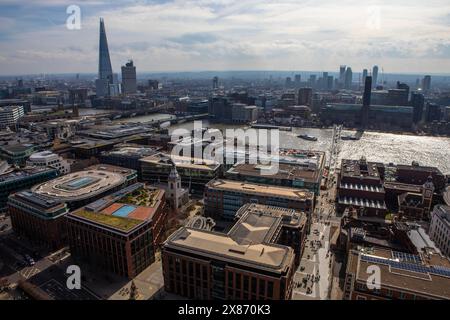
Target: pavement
{"points": [[314, 272]]}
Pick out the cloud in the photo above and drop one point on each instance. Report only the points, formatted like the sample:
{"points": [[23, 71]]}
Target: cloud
{"points": [[228, 34]]}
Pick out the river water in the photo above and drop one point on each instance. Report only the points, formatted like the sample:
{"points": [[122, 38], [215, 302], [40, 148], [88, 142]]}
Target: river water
{"points": [[375, 146]]}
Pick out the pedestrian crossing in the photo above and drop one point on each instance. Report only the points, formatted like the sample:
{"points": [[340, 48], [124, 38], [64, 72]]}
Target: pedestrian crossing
{"points": [[29, 272]]}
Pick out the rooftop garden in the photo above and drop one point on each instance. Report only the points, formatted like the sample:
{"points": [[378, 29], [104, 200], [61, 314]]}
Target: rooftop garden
{"points": [[142, 197], [121, 223]]}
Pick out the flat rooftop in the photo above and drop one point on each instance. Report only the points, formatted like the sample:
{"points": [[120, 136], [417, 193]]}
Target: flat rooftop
{"points": [[249, 241], [360, 168], [429, 275], [115, 222], [260, 189], [125, 209], [84, 184], [10, 176], [163, 159]]}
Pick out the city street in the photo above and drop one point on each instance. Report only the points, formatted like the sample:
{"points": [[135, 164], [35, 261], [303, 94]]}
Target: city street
{"points": [[312, 278]]}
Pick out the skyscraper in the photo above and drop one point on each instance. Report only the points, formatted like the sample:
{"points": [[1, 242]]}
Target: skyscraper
{"points": [[342, 74], [426, 83], [129, 82], [375, 76], [215, 83], [348, 78], [366, 101], [418, 103], [105, 75], [364, 75]]}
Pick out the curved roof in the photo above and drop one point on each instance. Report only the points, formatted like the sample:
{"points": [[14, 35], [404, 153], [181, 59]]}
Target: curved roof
{"points": [[80, 185]]}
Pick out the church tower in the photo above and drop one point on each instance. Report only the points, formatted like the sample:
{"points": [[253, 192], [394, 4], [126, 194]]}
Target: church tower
{"points": [[427, 196], [174, 189]]}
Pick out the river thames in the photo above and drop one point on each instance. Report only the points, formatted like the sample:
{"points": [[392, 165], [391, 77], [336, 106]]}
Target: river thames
{"points": [[375, 146]]}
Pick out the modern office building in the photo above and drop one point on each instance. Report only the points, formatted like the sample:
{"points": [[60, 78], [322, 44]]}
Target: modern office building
{"points": [[16, 102], [404, 276], [14, 180], [375, 76], [242, 113], [39, 218], [348, 78], [16, 154], [426, 83], [223, 198], [127, 156], [49, 159], [380, 116], [10, 115], [106, 84], [418, 104], [440, 228], [296, 169], [80, 188], [195, 173], [119, 233], [129, 81], [255, 260]]}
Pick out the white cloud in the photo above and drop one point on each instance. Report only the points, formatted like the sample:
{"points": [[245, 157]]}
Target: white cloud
{"points": [[413, 36]]}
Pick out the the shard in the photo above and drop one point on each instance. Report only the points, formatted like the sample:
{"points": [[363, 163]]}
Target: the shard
{"points": [[105, 85]]}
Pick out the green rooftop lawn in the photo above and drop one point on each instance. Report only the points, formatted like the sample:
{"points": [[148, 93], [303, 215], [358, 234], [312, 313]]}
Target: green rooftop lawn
{"points": [[124, 224]]}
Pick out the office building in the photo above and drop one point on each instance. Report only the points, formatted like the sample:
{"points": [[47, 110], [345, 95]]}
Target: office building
{"points": [[348, 78], [255, 260], [404, 276], [418, 104], [342, 74], [39, 218], [49, 159], [17, 102], [10, 115], [127, 156], [129, 82], [195, 173], [364, 75], [106, 85], [433, 112], [296, 169], [119, 233], [16, 154], [223, 198], [426, 83], [80, 188], [215, 83], [366, 101], [13, 180], [375, 76], [440, 228], [242, 113]]}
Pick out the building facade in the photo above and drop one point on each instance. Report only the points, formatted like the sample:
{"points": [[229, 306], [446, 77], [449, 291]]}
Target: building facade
{"points": [[223, 198], [440, 228], [243, 264]]}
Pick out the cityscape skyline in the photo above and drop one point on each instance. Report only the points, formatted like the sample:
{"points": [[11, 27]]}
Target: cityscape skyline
{"points": [[226, 35]]}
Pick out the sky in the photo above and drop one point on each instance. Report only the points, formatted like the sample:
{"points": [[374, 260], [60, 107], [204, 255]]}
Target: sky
{"points": [[401, 36]]}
